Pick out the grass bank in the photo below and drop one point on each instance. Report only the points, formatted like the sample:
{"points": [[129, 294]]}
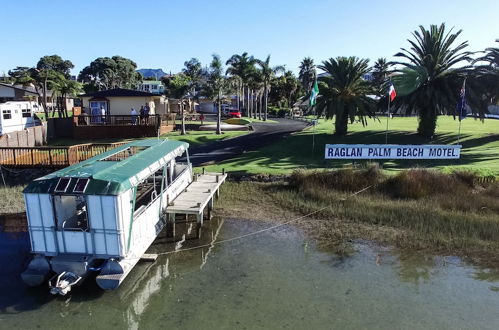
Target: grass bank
{"points": [[412, 209], [480, 152]]}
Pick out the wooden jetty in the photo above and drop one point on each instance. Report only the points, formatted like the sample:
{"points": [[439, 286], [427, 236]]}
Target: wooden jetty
{"points": [[197, 199]]}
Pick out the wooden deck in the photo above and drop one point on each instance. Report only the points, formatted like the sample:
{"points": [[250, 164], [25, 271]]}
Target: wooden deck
{"points": [[198, 196], [51, 157]]}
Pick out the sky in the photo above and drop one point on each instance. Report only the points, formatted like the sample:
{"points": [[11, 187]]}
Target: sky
{"points": [[164, 33]]}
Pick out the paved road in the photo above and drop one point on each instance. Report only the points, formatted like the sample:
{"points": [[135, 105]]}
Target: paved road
{"points": [[262, 135]]}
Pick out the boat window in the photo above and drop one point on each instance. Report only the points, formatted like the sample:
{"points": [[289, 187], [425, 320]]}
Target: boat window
{"points": [[149, 189], [71, 212], [81, 185], [123, 154], [62, 185]]}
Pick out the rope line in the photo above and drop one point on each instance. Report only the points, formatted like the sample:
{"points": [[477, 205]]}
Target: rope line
{"points": [[12, 171], [211, 244]]}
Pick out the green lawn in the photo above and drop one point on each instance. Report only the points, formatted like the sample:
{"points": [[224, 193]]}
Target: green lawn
{"points": [[41, 115], [196, 138], [480, 151]]}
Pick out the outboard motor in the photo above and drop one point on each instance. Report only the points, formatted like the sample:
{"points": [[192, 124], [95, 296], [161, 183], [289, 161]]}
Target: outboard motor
{"points": [[70, 270], [64, 282]]}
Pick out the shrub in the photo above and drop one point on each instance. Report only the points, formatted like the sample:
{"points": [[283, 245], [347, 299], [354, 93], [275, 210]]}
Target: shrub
{"points": [[272, 111], [348, 179], [417, 183], [282, 112]]}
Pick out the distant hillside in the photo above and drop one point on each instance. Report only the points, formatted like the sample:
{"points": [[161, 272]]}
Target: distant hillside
{"points": [[154, 73]]}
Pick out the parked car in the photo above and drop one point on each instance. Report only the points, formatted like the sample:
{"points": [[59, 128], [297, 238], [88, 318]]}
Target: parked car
{"points": [[234, 113]]}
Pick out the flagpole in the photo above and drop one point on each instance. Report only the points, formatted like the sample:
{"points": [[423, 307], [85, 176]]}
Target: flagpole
{"points": [[461, 109], [312, 104], [459, 132], [387, 118], [313, 140]]}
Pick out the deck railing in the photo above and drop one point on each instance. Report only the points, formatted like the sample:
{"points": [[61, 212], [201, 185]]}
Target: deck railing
{"points": [[52, 157], [113, 120]]}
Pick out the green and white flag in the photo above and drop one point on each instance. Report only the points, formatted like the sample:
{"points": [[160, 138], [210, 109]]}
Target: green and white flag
{"points": [[313, 94]]}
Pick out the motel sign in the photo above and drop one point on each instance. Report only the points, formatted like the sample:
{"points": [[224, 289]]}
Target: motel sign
{"points": [[391, 151]]}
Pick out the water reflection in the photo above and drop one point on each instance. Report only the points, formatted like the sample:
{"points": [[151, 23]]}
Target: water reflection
{"points": [[149, 279], [272, 280], [416, 268]]}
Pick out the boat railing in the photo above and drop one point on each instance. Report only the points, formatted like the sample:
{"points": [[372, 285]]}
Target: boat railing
{"points": [[155, 196]]}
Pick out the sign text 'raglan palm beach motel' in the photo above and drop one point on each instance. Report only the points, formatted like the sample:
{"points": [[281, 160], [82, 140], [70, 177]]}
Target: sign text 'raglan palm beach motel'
{"points": [[391, 151]]}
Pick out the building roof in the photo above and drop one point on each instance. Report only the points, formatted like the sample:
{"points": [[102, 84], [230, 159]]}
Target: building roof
{"points": [[30, 90], [122, 92], [111, 176]]}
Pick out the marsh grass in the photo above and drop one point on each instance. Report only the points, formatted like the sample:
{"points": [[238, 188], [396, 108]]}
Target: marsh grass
{"points": [[417, 208], [11, 199]]}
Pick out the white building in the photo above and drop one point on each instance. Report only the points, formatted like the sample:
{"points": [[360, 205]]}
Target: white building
{"points": [[152, 86], [17, 116]]}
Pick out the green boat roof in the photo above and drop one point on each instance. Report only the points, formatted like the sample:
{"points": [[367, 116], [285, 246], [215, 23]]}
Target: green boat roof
{"points": [[110, 175]]}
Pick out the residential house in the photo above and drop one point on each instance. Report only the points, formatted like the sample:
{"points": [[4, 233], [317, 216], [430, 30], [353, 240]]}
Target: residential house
{"points": [[152, 86], [10, 92], [119, 101]]}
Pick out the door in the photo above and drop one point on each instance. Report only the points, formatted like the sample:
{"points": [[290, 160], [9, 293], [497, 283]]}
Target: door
{"points": [[96, 111]]}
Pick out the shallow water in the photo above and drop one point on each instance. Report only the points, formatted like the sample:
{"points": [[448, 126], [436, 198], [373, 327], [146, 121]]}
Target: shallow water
{"points": [[277, 279]]}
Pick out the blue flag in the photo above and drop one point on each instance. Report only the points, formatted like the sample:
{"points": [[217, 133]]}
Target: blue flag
{"points": [[461, 106]]}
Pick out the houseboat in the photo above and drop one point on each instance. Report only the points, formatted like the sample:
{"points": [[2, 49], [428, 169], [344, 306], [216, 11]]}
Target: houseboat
{"points": [[102, 214]]}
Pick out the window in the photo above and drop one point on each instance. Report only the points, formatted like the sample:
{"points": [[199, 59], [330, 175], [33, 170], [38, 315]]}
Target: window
{"points": [[7, 114], [81, 185], [154, 87], [62, 185], [71, 212], [148, 190], [26, 113]]}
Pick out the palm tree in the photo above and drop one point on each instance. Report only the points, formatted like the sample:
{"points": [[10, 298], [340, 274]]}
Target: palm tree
{"points": [[343, 92], [307, 74], [380, 74], [241, 66], [67, 87], [217, 84], [268, 74], [255, 83], [431, 65], [488, 74], [290, 87]]}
